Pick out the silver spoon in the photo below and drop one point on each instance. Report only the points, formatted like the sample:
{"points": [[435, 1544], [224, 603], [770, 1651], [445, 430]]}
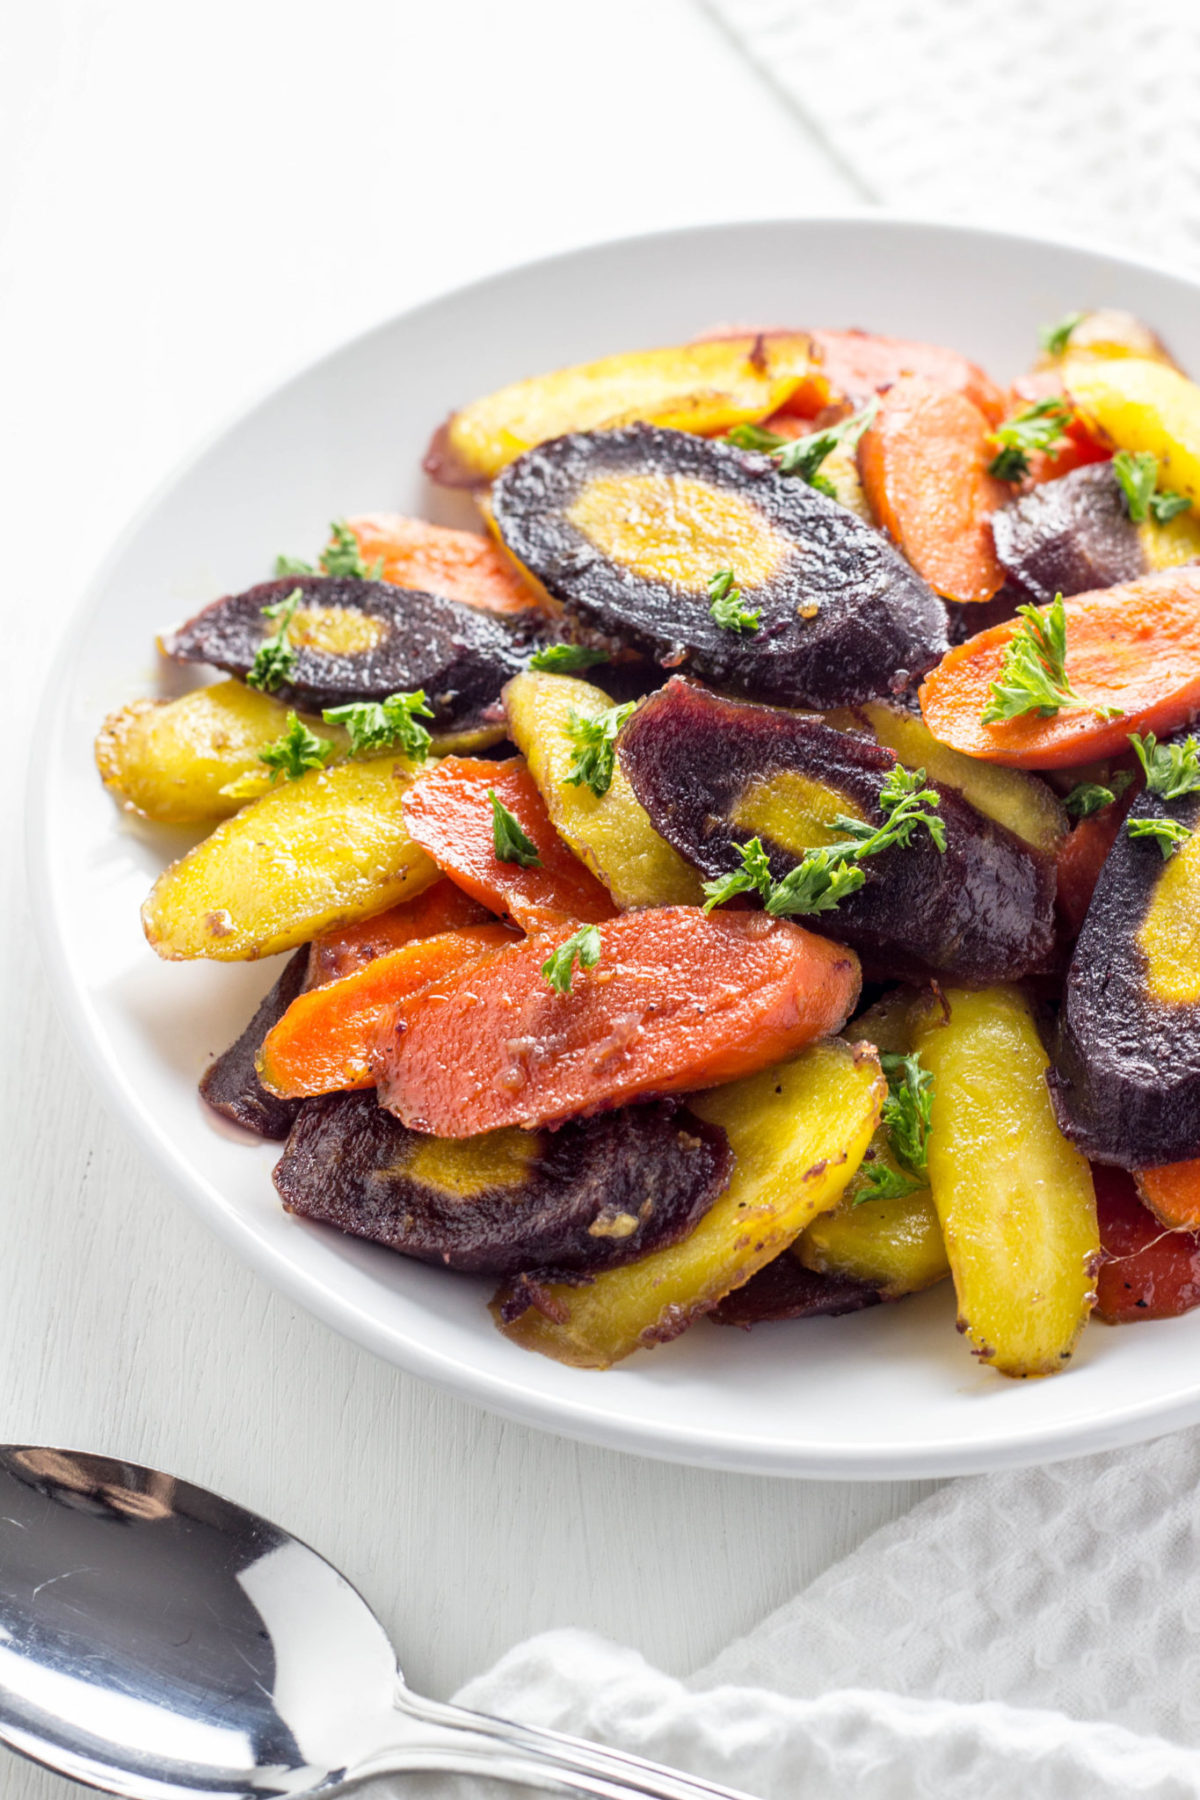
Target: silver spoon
{"points": [[157, 1641]]}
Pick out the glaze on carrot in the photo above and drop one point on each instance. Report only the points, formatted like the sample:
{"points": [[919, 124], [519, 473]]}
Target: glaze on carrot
{"points": [[1172, 1192], [326, 1038], [676, 1001], [858, 364], [442, 907], [1135, 646], [924, 466], [449, 813], [1146, 1271], [462, 565]]}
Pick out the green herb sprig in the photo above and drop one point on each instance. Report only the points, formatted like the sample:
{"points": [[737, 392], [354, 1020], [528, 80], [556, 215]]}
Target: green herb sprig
{"points": [[726, 604], [275, 659], [1038, 427], [1168, 833], [297, 751], [390, 724], [804, 456], [1055, 338], [594, 739], [1137, 472], [1033, 676], [508, 840], [824, 877], [1171, 770], [906, 1116], [342, 557], [1086, 798], [563, 659], [584, 949]]}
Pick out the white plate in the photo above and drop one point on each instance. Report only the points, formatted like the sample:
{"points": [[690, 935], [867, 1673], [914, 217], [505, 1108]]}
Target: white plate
{"points": [[888, 1392]]}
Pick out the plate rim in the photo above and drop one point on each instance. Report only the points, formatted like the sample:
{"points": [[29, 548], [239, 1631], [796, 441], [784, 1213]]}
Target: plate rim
{"points": [[574, 1417]]}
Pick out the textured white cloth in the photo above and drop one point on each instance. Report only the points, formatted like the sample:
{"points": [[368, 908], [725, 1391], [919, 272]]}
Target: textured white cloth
{"points": [[1077, 116], [1033, 1635], [1029, 1636]]}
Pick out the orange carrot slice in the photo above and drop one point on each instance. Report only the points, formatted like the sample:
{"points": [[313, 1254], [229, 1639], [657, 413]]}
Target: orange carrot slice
{"points": [[924, 465], [859, 364], [1136, 646], [449, 813], [459, 564], [1172, 1192], [326, 1038], [442, 907], [676, 1001]]}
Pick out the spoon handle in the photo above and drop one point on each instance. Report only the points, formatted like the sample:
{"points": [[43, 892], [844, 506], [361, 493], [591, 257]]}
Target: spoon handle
{"points": [[474, 1743]]}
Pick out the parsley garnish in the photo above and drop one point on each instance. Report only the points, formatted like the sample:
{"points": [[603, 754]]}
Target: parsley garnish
{"points": [[824, 877], [726, 608], [1055, 338], [594, 740], [561, 658], [1171, 770], [341, 557], [1170, 833], [1137, 473], [1033, 675], [906, 1117], [385, 724], [583, 948], [1039, 427], [756, 437], [878, 1180], [804, 456], [275, 659], [509, 841], [297, 751], [1086, 798]]}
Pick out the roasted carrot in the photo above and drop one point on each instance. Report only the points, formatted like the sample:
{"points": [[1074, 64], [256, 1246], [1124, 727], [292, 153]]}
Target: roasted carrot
{"points": [[1172, 1192], [1146, 1271], [924, 465], [675, 1001], [452, 818], [1135, 646], [1082, 855], [859, 364], [443, 907], [462, 565], [1078, 445], [326, 1038]]}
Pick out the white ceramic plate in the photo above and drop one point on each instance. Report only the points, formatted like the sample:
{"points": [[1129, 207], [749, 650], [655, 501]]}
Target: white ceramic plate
{"points": [[888, 1392]]}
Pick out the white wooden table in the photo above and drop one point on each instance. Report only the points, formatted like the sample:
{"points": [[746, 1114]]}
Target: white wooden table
{"points": [[194, 201]]}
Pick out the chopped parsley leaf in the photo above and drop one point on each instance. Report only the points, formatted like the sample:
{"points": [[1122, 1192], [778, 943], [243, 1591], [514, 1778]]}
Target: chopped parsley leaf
{"points": [[559, 966], [726, 604], [595, 740], [508, 840], [385, 724]]}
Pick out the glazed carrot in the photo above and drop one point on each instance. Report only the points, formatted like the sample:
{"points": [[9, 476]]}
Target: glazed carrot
{"points": [[1082, 855], [450, 814], [325, 1040], [1146, 1271], [859, 364], [462, 565], [1078, 446], [924, 465], [1136, 646], [675, 1001], [443, 907], [1172, 1192]]}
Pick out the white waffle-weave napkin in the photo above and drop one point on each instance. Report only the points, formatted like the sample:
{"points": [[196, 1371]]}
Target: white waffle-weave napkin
{"points": [[1028, 1636]]}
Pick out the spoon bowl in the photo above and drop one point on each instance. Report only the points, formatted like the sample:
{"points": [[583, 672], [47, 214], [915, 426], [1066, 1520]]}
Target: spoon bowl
{"points": [[159, 1642]]}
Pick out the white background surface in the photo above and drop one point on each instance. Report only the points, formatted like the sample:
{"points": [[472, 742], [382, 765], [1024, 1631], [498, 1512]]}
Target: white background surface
{"points": [[193, 202]]}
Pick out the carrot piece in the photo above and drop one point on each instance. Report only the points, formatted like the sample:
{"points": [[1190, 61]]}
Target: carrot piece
{"points": [[442, 907], [676, 1001], [1080, 446], [1135, 646], [462, 565], [449, 813], [1082, 855], [924, 465], [859, 364], [326, 1038], [1146, 1271], [1172, 1192]]}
